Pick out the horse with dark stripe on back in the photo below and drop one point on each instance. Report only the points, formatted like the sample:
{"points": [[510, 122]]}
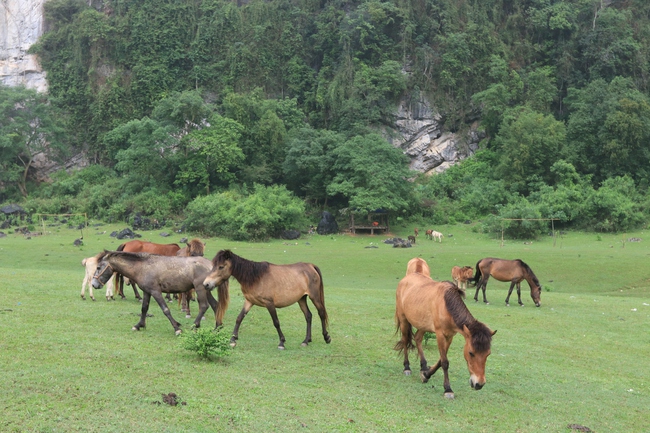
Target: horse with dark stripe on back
{"points": [[271, 286], [438, 307]]}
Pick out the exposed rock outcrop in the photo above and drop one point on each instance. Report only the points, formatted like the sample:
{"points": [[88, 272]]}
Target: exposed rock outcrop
{"points": [[21, 24]]}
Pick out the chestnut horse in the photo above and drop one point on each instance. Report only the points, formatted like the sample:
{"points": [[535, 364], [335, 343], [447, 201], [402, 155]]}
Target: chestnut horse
{"points": [[163, 274], [462, 275], [137, 246], [507, 270], [438, 307], [193, 248], [418, 265], [271, 286]]}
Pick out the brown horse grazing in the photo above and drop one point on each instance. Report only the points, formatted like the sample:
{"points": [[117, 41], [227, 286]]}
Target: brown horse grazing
{"points": [[418, 265], [507, 270], [162, 274], [193, 248], [137, 246], [271, 286], [432, 306], [462, 275]]}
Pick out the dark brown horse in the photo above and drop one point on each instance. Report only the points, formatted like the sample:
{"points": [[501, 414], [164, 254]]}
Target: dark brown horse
{"points": [[193, 248], [271, 286], [438, 307], [507, 270], [137, 246], [162, 274]]}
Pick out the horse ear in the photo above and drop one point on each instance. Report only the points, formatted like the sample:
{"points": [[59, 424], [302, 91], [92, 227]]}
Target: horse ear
{"points": [[466, 330], [494, 332]]}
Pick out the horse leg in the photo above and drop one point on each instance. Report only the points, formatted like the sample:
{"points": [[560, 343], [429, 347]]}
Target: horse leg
{"points": [[276, 323], [143, 315], [322, 313], [512, 285], [120, 285], [419, 336], [483, 287], [235, 333], [135, 291], [305, 310], [185, 305], [519, 293], [83, 287], [206, 300], [157, 295], [443, 346], [405, 329]]}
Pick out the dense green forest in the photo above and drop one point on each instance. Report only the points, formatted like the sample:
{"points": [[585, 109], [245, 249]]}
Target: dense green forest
{"points": [[245, 118]]}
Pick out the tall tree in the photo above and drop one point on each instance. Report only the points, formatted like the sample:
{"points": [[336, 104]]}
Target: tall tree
{"points": [[29, 127]]}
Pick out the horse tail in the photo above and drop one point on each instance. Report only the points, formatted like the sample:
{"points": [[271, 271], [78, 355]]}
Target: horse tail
{"points": [[406, 342], [121, 247], [477, 274], [321, 293], [223, 296]]}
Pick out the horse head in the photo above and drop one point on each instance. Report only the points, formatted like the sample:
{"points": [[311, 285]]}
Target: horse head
{"points": [[536, 294], [221, 269], [478, 339], [103, 273]]}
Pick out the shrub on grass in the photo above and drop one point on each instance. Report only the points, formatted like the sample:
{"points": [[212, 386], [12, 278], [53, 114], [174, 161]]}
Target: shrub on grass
{"points": [[206, 342]]}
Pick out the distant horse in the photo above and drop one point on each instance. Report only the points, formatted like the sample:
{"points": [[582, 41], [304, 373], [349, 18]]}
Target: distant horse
{"points": [[462, 275], [428, 234], [432, 306], [137, 246], [90, 264], [411, 239], [193, 248], [418, 265], [416, 231], [436, 235], [272, 286], [507, 270], [162, 274]]}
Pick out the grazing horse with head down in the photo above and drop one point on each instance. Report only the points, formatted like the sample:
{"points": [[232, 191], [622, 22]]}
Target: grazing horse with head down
{"points": [[271, 286], [507, 270], [438, 307], [462, 275], [164, 274]]}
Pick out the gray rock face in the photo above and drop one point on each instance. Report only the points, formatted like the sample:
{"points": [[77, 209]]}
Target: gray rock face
{"points": [[21, 24], [418, 132]]}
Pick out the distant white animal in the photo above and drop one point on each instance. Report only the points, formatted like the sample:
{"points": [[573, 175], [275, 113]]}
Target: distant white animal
{"points": [[91, 266], [436, 235]]}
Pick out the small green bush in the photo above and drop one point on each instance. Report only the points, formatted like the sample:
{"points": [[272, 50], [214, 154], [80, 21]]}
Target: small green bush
{"points": [[207, 342]]}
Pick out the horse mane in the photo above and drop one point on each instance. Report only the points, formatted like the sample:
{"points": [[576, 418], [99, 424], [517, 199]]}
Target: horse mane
{"points": [[247, 272], [530, 271], [481, 334], [131, 256]]}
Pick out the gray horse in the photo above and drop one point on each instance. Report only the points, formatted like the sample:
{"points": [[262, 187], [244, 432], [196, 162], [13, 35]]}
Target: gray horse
{"points": [[156, 275]]}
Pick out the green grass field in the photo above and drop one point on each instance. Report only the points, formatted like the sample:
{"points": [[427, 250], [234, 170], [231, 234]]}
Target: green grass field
{"points": [[582, 358]]}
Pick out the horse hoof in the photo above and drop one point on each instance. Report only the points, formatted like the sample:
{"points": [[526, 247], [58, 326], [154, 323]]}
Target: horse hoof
{"points": [[407, 372], [303, 344], [134, 329], [328, 339], [521, 305], [281, 347], [233, 344], [178, 332], [93, 299], [187, 316], [423, 377], [449, 395], [83, 298]]}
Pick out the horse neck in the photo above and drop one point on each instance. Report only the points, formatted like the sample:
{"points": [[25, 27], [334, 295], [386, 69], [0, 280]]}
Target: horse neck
{"points": [[124, 266], [530, 279], [246, 272]]}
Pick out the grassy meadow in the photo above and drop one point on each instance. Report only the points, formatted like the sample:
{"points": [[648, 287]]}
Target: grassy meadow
{"points": [[582, 359]]}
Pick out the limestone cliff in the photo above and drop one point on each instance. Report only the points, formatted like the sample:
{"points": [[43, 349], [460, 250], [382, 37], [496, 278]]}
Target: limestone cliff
{"points": [[21, 24]]}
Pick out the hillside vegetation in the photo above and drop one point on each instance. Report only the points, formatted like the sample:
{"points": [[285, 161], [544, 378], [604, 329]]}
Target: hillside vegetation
{"points": [[238, 104]]}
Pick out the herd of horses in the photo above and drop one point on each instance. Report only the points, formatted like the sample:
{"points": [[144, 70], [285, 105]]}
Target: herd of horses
{"points": [[421, 303]]}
